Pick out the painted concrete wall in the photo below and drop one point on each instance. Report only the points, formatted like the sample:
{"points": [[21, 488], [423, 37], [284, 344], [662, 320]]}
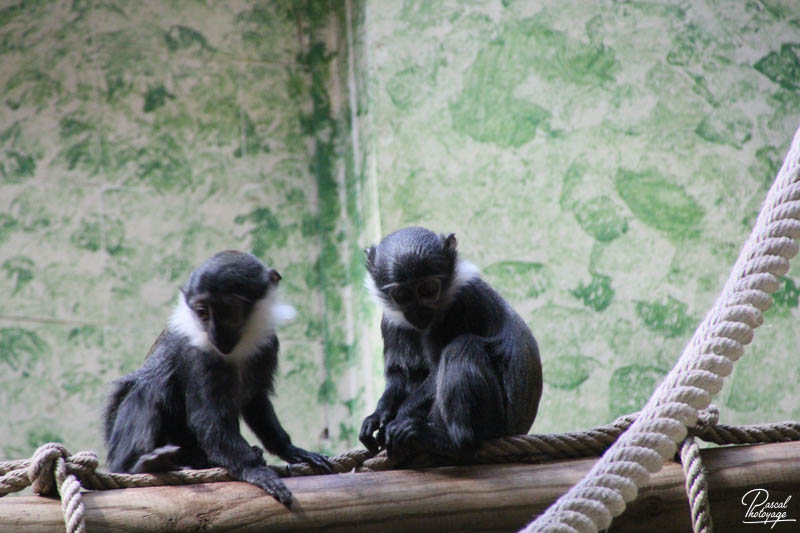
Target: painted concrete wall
{"points": [[600, 161], [137, 140]]}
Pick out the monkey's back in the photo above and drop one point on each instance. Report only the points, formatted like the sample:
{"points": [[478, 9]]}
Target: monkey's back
{"points": [[479, 309], [144, 408]]}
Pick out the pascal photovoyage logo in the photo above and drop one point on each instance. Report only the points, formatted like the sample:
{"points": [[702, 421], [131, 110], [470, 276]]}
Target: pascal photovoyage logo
{"points": [[761, 510]]}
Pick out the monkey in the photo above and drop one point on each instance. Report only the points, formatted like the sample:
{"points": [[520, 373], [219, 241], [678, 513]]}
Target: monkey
{"points": [[461, 366], [214, 363]]}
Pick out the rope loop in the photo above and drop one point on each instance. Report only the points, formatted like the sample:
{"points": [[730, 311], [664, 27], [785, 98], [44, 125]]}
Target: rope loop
{"points": [[44, 465]]}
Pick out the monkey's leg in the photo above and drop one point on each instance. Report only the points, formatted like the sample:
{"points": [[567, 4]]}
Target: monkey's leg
{"points": [[469, 394], [162, 459], [468, 406]]}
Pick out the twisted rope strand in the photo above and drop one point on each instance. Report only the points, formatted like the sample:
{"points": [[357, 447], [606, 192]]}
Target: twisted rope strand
{"points": [[696, 486], [699, 373]]}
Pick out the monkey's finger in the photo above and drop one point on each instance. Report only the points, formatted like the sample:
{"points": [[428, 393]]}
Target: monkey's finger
{"points": [[380, 438], [368, 428], [319, 462], [369, 443]]}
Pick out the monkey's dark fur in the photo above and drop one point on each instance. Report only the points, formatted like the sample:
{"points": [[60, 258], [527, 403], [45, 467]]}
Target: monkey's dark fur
{"points": [[461, 366], [215, 361]]}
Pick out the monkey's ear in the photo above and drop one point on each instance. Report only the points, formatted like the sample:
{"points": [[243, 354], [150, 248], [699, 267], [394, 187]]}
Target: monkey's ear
{"points": [[450, 242], [274, 277], [370, 257]]}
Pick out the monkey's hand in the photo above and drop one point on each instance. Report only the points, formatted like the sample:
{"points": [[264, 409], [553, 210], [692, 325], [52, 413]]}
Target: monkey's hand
{"points": [[370, 425], [317, 461], [265, 478]]}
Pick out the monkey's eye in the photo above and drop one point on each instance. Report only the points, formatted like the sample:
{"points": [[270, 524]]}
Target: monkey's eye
{"points": [[201, 312], [428, 289], [401, 295]]}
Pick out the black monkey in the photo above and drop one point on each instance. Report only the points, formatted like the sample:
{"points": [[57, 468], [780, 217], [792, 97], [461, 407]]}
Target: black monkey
{"points": [[461, 366], [215, 361]]}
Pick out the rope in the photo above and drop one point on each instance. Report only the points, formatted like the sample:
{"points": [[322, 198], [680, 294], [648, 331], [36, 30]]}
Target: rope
{"points": [[699, 373], [695, 473], [696, 486], [53, 469]]}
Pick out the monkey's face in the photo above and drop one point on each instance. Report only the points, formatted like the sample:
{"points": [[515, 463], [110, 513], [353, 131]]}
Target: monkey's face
{"points": [[223, 317], [418, 299], [223, 293], [411, 271]]}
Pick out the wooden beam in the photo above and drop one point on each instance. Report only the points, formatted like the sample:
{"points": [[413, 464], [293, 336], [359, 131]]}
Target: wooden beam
{"points": [[476, 498]]}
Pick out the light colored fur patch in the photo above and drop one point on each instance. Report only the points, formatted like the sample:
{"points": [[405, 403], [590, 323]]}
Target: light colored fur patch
{"points": [[464, 273], [391, 314], [267, 314], [184, 322]]}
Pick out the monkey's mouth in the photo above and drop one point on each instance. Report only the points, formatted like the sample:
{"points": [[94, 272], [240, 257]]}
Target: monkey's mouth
{"points": [[223, 345], [419, 318]]}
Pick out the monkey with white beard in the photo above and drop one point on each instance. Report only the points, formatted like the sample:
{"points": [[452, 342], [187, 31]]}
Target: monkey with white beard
{"points": [[461, 365], [215, 362]]}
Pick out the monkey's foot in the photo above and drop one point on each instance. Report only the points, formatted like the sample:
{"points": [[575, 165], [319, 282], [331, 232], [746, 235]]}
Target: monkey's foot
{"points": [[402, 439], [266, 479]]}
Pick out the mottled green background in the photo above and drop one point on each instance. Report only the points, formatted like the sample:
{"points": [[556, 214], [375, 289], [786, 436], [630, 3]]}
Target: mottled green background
{"points": [[600, 161]]}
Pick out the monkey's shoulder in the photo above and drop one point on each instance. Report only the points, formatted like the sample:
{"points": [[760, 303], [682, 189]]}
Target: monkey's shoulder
{"points": [[478, 290], [477, 301], [166, 360]]}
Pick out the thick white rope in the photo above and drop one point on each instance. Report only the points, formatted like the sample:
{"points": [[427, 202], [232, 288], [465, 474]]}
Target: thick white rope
{"points": [[717, 343]]}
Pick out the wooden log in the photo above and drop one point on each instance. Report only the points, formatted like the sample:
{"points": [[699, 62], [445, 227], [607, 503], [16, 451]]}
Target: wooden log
{"points": [[476, 498]]}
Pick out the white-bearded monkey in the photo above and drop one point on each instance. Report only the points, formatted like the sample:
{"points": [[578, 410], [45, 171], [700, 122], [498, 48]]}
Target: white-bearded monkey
{"points": [[214, 362], [461, 366]]}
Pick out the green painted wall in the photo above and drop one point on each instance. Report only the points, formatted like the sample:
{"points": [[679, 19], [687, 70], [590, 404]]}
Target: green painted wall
{"points": [[600, 161], [137, 139]]}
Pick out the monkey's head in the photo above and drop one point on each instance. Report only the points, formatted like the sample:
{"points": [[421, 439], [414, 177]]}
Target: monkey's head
{"points": [[412, 273], [224, 296]]}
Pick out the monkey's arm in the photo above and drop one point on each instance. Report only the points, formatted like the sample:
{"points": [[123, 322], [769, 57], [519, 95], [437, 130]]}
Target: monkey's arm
{"points": [[214, 420], [420, 400], [386, 410], [260, 416], [404, 369]]}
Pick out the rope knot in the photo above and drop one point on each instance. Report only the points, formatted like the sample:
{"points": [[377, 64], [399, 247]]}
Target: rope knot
{"points": [[47, 459], [83, 463], [706, 419]]}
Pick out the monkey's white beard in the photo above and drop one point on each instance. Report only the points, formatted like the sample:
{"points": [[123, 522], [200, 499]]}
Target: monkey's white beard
{"points": [[464, 273], [268, 313]]}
